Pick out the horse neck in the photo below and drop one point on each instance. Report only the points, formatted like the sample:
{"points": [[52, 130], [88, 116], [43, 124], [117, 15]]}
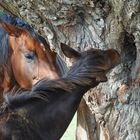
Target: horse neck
{"points": [[77, 85], [63, 105]]}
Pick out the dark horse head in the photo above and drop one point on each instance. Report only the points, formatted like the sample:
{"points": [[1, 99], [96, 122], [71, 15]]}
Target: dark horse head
{"points": [[46, 111], [25, 57]]}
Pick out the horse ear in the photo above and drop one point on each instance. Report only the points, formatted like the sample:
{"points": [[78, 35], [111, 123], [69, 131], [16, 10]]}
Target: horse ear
{"points": [[69, 52], [11, 29]]}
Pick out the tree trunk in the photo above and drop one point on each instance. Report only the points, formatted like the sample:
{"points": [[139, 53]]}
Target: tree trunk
{"points": [[112, 110]]}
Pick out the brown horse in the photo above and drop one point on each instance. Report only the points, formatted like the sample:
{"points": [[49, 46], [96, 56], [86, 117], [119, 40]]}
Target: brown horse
{"points": [[46, 111], [25, 58]]}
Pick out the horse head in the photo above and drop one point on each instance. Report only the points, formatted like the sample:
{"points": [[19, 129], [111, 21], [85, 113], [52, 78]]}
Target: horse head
{"points": [[30, 60], [102, 60]]}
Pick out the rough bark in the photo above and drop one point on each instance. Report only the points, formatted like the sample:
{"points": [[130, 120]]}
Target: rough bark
{"points": [[112, 110]]}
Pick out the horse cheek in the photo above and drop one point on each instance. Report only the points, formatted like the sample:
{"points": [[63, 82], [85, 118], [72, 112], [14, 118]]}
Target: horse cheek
{"points": [[19, 70]]}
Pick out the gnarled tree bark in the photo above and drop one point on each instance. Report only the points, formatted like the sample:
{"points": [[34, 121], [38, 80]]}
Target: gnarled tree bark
{"points": [[112, 110]]}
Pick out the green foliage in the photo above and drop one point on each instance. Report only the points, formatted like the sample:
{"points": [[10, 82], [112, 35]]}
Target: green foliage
{"points": [[71, 131]]}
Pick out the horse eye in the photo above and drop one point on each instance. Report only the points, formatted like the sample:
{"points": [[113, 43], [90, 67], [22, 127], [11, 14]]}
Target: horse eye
{"points": [[30, 56]]}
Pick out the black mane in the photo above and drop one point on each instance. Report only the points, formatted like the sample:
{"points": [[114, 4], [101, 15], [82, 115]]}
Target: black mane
{"points": [[4, 47]]}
